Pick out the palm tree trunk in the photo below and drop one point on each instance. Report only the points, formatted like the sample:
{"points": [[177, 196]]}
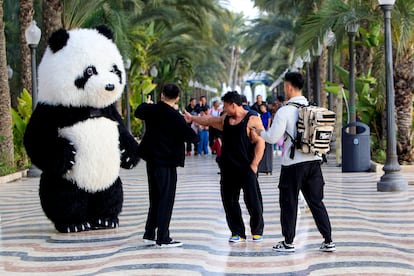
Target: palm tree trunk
{"points": [[25, 17], [6, 132], [52, 18], [404, 87], [231, 69]]}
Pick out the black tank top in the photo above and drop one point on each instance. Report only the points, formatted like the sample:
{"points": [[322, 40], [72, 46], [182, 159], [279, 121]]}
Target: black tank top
{"points": [[237, 150]]}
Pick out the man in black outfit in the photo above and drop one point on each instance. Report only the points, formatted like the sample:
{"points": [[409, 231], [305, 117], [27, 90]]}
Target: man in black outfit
{"points": [[162, 147], [240, 157]]}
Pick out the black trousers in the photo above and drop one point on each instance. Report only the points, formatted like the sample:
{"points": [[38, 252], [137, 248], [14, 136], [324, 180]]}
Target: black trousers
{"points": [[232, 181], [162, 183], [308, 178]]}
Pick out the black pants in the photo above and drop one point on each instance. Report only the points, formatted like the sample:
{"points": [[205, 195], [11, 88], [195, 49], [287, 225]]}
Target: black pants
{"points": [[232, 181], [162, 182], [308, 178]]}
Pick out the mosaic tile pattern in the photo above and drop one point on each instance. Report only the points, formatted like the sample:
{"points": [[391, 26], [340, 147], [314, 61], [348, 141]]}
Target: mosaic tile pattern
{"points": [[373, 231]]}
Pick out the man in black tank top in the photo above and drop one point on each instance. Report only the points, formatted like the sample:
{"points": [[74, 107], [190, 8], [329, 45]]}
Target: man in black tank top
{"points": [[240, 156]]}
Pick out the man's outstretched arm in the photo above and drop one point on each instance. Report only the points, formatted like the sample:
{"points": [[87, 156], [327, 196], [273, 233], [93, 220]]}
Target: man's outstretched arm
{"points": [[208, 120]]}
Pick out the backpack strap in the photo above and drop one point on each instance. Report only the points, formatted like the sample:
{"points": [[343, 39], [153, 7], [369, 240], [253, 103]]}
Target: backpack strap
{"points": [[293, 146], [294, 140]]}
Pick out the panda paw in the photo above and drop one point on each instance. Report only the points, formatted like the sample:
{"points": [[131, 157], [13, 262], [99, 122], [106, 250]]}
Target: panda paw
{"points": [[73, 228], [68, 159], [128, 162], [106, 223]]}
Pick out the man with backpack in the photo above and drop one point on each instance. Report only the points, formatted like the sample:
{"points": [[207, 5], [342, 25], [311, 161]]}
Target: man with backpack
{"points": [[300, 171]]}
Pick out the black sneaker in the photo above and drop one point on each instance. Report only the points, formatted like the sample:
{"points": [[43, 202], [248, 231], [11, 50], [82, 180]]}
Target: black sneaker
{"points": [[282, 246], [172, 243], [327, 247]]}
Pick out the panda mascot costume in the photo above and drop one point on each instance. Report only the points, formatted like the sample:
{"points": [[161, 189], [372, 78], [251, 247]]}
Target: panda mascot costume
{"points": [[75, 135]]}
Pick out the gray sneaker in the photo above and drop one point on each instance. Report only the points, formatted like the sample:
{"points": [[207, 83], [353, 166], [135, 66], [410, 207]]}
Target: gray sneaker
{"points": [[282, 246], [327, 247]]}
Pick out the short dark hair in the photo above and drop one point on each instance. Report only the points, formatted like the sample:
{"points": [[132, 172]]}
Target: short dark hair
{"points": [[295, 78], [243, 98], [232, 97], [203, 109], [171, 91]]}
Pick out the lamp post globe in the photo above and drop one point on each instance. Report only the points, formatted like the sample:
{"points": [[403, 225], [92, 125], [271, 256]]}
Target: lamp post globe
{"points": [[9, 72], [392, 180], [32, 35]]}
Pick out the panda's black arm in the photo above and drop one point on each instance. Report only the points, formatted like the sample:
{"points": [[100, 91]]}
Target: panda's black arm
{"points": [[49, 152], [127, 143]]}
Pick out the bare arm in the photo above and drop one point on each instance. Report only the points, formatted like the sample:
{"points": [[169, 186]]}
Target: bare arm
{"points": [[208, 120], [256, 122]]}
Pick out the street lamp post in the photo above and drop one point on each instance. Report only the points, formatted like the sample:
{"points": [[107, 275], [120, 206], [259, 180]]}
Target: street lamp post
{"points": [[330, 39], [317, 81], [352, 29], [33, 35], [306, 60], [127, 65], [392, 180], [154, 74]]}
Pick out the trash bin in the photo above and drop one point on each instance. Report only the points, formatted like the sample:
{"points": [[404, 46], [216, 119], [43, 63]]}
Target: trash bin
{"points": [[356, 148]]}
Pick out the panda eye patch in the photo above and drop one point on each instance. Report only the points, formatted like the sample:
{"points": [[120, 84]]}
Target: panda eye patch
{"points": [[117, 72], [87, 73]]}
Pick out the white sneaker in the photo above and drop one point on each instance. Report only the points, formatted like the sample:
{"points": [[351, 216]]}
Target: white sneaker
{"points": [[327, 247], [282, 246], [149, 241], [172, 243]]}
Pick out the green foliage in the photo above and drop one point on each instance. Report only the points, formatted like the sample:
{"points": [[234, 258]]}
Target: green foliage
{"points": [[5, 167], [141, 86], [20, 118], [368, 106]]}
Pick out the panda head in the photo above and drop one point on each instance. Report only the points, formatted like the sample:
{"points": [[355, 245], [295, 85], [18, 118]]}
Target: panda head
{"points": [[81, 68]]}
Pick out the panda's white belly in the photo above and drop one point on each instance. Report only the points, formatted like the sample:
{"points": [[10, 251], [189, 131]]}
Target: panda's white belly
{"points": [[97, 158]]}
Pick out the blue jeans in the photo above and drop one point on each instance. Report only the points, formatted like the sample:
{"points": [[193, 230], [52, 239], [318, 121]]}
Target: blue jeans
{"points": [[203, 144]]}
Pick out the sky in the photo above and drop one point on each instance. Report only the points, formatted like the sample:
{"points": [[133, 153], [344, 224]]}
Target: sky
{"points": [[245, 6]]}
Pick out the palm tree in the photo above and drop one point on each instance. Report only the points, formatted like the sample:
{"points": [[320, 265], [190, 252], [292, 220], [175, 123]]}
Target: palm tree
{"points": [[25, 17], [403, 23], [51, 14], [6, 134]]}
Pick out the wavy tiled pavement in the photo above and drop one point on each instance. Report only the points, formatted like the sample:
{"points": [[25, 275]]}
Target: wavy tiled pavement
{"points": [[373, 231]]}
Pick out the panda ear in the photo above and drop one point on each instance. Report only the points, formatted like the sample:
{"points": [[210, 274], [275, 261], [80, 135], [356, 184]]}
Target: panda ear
{"points": [[58, 40], [105, 31]]}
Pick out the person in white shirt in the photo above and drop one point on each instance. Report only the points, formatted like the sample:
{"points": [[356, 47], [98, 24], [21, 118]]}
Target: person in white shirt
{"points": [[300, 172]]}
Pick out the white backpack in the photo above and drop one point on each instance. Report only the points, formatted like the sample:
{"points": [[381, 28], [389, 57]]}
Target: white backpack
{"points": [[315, 128]]}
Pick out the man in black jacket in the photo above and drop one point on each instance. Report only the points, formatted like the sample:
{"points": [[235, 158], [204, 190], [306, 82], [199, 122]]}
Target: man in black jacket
{"points": [[162, 147]]}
